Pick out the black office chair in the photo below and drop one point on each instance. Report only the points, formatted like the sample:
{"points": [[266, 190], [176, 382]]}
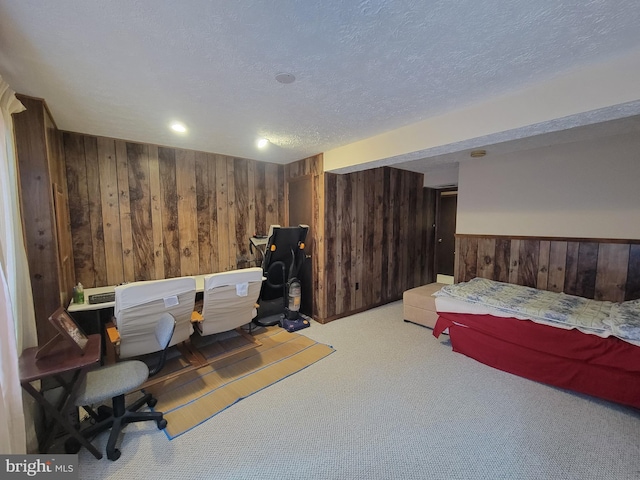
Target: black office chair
{"points": [[283, 258], [113, 382]]}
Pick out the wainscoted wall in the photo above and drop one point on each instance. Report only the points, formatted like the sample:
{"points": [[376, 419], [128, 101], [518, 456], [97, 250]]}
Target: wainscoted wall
{"points": [[378, 238], [593, 268], [144, 212]]}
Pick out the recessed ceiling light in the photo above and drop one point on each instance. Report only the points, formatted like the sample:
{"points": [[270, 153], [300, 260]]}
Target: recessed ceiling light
{"points": [[285, 78], [178, 127], [478, 153], [263, 142]]}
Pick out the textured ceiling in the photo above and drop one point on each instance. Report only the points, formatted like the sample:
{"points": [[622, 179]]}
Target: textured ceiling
{"points": [[127, 68]]}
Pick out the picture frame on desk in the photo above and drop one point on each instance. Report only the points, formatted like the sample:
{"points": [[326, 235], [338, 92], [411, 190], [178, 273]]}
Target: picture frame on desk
{"points": [[68, 331]]}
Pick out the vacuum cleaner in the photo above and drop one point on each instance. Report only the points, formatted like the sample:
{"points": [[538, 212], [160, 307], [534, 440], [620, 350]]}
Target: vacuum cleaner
{"points": [[292, 319]]}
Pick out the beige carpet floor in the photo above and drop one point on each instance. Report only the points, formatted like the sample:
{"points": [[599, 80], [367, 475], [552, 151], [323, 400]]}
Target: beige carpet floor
{"points": [[392, 402]]}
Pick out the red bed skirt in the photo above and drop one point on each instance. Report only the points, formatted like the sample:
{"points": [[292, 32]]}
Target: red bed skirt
{"points": [[607, 368]]}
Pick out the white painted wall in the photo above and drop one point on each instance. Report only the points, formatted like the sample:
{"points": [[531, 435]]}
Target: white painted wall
{"points": [[446, 175], [589, 189]]}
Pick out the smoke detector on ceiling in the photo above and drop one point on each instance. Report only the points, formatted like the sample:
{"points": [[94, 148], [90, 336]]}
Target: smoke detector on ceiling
{"points": [[285, 78]]}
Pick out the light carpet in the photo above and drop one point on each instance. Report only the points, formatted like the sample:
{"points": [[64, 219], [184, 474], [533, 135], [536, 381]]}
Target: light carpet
{"points": [[392, 402], [194, 397]]}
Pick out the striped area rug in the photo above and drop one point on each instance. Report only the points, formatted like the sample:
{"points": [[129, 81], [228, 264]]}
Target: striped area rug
{"points": [[196, 396]]}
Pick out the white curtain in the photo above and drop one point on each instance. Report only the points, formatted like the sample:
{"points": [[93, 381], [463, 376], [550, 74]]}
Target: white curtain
{"points": [[17, 318]]}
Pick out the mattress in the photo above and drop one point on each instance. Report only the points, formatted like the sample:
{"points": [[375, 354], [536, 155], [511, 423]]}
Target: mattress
{"points": [[570, 342], [607, 368], [487, 297]]}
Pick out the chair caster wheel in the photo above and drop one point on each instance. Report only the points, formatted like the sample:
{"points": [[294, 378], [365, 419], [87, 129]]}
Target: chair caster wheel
{"points": [[152, 402], [162, 424], [72, 445], [115, 455], [104, 412]]}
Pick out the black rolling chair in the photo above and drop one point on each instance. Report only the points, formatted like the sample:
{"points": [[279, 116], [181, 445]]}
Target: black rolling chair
{"points": [[113, 382], [283, 257]]}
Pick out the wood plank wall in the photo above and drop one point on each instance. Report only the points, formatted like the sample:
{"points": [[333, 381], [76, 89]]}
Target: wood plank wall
{"points": [[146, 212], [378, 238], [592, 268], [42, 184], [314, 167]]}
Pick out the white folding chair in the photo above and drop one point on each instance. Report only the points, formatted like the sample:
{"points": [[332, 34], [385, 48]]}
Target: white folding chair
{"points": [[229, 300], [139, 306]]}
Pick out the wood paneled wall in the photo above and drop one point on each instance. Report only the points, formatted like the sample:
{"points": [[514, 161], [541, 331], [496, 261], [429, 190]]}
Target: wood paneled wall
{"points": [[314, 167], [145, 212], [378, 238], [591, 268], [43, 202]]}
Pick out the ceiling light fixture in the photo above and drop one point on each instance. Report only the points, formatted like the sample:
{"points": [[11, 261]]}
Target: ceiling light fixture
{"points": [[478, 153], [285, 78], [263, 142], [178, 127]]}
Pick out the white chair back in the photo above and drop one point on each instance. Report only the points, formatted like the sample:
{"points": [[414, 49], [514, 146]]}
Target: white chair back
{"points": [[229, 299], [139, 306]]}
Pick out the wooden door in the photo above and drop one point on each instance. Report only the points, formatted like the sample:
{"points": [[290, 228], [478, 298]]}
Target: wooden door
{"points": [[445, 232], [301, 213]]}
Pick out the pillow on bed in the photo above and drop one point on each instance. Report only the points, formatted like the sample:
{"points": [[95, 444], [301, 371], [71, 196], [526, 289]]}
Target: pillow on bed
{"points": [[624, 319]]}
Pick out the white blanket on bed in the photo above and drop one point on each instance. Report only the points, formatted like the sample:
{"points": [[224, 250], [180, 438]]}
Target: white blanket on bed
{"points": [[591, 316]]}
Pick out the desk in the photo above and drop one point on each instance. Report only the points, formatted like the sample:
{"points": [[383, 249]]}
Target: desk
{"points": [[87, 307], [62, 361]]}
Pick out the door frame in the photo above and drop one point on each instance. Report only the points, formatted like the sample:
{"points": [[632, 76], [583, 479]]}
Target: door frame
{"points": [[310, 242], [439, 192]]}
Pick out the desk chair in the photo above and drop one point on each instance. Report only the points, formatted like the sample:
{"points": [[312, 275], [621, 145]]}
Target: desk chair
{"points": [[229, 300], [139, 305], [113, 382]]}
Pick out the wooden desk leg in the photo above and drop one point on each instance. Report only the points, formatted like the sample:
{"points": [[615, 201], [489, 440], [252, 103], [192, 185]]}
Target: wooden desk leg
{"points": [[61, 420]]}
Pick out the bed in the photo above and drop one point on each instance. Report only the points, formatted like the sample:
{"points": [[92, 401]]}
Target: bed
{"points": [[584, 345]]}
